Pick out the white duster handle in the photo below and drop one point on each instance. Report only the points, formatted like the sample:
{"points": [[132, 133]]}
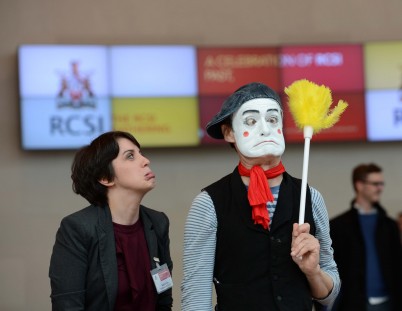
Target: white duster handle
{"points": [[308, 134]]}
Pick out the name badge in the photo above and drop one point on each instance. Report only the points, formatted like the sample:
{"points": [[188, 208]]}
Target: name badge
{"points": [[161, 277]]}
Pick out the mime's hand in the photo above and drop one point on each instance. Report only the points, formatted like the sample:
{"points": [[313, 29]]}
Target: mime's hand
{"points": [[305, 250]]}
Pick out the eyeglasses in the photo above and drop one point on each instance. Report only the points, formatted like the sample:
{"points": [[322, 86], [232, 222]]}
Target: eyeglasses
{"points": [[375, 183]]}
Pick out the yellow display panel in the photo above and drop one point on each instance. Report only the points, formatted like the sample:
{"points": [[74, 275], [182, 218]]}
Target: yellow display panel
{"points": [[383, 65], [158, 122]]}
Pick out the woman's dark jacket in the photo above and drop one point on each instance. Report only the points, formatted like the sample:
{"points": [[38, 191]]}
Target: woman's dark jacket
{"points": [[83, 266]]}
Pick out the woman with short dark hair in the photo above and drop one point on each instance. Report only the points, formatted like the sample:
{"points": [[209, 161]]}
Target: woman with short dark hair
{"points": [[113, 255]]}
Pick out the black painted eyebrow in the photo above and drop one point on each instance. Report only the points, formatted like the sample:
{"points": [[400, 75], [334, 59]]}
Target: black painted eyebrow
{"points": [[257, 111]]}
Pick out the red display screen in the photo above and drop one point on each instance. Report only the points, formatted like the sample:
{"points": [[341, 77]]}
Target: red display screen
{"points": [[340, 67], [222, 70]]}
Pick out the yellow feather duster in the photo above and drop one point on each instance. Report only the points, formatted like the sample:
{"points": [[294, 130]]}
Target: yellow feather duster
{"points": [[309, 105]]}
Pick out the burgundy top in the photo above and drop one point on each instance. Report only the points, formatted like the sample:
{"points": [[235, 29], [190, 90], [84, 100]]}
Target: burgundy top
{"points": [[135, 290]]}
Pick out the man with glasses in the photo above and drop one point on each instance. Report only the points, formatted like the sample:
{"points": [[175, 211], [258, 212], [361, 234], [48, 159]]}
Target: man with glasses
{"points": [[367, 248]]}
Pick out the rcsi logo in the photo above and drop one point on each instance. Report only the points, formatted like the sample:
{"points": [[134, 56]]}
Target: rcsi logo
{"points": [[76, 93], [75, 90]]}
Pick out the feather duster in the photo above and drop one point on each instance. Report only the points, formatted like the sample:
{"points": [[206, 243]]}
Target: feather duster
{"points": [[310, 104]]}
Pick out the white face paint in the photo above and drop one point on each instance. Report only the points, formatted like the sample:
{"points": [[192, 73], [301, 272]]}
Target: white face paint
{"points": [[257, 128]]}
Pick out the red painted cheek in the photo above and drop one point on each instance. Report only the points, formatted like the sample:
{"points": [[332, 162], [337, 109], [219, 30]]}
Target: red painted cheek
{"points": [[279, 131], [245, 134]]}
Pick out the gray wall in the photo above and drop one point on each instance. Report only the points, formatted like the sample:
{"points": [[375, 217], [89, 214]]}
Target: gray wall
{"points": [[36, 191]]}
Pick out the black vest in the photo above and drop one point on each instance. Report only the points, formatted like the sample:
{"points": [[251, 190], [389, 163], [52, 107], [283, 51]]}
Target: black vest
{"points": [[253, 268]]}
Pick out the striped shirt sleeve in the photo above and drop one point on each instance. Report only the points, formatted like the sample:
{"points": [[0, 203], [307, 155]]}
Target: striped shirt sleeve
{"points": [[199, 255], [327, 262]]}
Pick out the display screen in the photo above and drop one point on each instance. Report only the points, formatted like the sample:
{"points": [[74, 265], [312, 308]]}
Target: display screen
{"points": [[339, 67], [166, 94], [71, 94], [384, 115], [383, 76], [64, 95]]}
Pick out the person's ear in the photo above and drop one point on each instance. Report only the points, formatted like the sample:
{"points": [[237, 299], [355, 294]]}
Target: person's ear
{"points": [[106, 182], [359, 185], [228, 134]]}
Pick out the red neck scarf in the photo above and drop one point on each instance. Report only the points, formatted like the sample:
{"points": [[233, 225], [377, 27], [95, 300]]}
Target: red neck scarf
{"points": [[259, 192]]}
